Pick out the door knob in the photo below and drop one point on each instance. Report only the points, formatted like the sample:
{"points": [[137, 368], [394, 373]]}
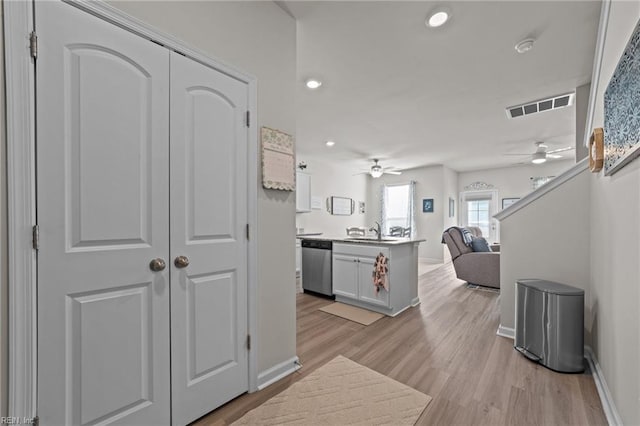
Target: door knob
{"points": [[157, 265], [181, 262]]}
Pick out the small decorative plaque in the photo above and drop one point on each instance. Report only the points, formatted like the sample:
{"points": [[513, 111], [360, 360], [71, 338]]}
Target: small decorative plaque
{"points": [[278, 162]]}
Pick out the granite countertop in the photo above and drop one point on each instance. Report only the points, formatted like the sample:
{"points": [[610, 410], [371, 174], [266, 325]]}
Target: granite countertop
{"points": [[385, 241], [308, 234]]}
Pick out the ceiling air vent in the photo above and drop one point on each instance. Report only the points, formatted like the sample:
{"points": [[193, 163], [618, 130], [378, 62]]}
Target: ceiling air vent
{"points": [[542, 105]]}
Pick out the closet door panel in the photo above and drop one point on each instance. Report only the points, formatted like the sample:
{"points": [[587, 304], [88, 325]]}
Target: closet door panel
{"points": [[210, 162], [102, 206], [208, 218]]}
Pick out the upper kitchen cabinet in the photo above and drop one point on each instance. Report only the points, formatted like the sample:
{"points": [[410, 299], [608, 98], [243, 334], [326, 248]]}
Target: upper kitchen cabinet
{"points": [[303, 192]]}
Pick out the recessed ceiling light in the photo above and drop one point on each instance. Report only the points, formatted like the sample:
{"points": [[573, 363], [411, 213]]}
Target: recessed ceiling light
{"points": [[525, 45], [313, 84], [330, 143], [437, 18]]}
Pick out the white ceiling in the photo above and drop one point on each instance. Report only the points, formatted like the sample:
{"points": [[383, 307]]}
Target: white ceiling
{"points": [[415, 96]]}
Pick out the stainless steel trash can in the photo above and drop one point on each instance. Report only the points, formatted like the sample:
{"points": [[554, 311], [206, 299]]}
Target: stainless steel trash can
{"points": [[550, 324]]}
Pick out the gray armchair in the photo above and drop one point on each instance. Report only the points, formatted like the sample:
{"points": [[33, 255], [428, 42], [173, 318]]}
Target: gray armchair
{"points": [[481, 268]]}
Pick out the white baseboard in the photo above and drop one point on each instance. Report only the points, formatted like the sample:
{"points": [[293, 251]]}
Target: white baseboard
{"points": [[507, 332], [415, 302], [278, 372], [613, 418]]}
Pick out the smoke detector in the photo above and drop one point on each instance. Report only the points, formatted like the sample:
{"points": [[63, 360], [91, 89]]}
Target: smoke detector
{"points": [[525, 45]]}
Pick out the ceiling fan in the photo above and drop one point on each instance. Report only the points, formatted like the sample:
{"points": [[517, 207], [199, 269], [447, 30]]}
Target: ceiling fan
{"points": [[541, 154], [377, 170]]}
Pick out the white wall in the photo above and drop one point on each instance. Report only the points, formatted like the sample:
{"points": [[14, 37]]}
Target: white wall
{"points": [[4, 319], [582, 108], [429, 226], [258, 38], [615, 248], [450, 190], [513, 182], [333, 179], [548, 239]]}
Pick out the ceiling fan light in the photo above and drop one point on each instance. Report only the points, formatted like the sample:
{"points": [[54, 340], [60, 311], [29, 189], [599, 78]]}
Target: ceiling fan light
{"points": [[539, 157], [376, 171]]}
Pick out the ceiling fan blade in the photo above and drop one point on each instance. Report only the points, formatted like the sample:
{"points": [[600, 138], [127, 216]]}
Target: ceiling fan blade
{"points": [[554, 156], [389, 172], [553, 151], [516, 154], [361, 173]]}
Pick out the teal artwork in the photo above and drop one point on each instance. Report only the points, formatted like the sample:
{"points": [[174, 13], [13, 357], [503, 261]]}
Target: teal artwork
{"points": [[622, 109]]}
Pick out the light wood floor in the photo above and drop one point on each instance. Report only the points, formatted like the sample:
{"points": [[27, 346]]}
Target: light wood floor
{"points": [[446, 347]]}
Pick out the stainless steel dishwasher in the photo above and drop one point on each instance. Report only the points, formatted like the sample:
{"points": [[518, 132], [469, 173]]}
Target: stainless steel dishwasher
{"points": [[316, 267]]}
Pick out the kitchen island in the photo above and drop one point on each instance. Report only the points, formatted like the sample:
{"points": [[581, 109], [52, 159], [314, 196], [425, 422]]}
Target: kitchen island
{"points": [[353, 263]]}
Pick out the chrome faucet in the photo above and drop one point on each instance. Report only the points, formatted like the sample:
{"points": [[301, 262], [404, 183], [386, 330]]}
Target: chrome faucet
{"points": [[377, 230]]}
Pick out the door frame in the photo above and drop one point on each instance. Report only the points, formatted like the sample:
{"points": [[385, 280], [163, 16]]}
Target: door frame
{"points": [[21, 190]]}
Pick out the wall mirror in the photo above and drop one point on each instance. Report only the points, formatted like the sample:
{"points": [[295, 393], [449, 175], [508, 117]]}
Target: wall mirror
{"points": [[340, 206]]}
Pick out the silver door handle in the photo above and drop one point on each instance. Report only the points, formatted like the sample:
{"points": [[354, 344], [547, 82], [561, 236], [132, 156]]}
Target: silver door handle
{"points": [[181, 262], [157, 265]]}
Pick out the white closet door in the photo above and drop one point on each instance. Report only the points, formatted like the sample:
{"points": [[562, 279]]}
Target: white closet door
{"points": [[103, 196], [208, 218]]}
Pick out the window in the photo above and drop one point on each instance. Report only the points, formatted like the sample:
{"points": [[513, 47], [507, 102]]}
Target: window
{"points": [[397, 207], [478, 215], [477, 208]]}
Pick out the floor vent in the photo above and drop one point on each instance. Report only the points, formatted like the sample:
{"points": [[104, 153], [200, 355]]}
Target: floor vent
{"points": [[542, 105]]}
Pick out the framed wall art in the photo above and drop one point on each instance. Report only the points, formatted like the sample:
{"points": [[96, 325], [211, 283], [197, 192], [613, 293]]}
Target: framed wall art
{"points": [[427, 205], [506, 202], [278, 162], [622, 109], [341, 206], [538, 181]]}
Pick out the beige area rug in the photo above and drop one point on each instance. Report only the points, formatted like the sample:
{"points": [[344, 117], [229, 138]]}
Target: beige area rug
{"points": [[341, 392], [352, 313]]}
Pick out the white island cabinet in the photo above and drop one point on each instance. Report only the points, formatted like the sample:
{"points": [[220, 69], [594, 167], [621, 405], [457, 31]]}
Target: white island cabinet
{"points": [[353, 266]]}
